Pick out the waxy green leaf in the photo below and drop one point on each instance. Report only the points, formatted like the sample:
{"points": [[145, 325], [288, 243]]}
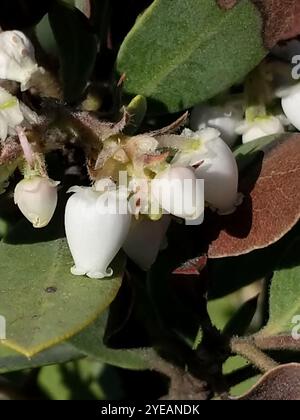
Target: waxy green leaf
{"points": [[182, 52]]}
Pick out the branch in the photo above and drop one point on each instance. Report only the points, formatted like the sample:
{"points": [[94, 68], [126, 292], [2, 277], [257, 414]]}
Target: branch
{"points": [[183, 385], [253, 354], [280, 342]]}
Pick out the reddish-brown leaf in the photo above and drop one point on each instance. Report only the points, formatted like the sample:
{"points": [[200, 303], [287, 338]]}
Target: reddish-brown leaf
{"points": [[271, 207], [281, 18], [192, 267], [280, 384]]}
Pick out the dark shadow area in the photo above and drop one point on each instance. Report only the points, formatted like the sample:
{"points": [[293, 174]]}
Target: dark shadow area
{"points": [[143, 385], [21, 14], [123, 18], [122, 323]]}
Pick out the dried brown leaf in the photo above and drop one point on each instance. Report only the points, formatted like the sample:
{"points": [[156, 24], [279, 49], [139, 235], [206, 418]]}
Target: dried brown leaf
{"points": [[103, 130], [172, 128]]}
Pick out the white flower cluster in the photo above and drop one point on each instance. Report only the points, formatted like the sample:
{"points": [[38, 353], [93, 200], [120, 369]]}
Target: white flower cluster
{"points": [[235, 117], [200, 171], [166, 175], [96, 231], [228, 119]]}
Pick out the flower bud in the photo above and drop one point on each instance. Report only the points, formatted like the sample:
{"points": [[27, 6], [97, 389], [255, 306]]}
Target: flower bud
{"points": [[260, 127], [223, 118], [178, 192], [36, 198], [17, 60], [145, 240], [95, 231], [291, 106]]}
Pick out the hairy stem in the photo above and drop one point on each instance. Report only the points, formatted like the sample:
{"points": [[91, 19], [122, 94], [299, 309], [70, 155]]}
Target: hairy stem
{"points": [[253, 354], [280, 342]]}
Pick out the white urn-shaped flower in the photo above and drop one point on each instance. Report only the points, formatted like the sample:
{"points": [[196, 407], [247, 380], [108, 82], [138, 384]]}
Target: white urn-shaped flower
{"points": [[178, 192], [214, 163], [96, 230]]}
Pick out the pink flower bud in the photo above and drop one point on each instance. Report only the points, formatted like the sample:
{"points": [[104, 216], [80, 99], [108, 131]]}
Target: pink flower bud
{"points": [[36, 198]]}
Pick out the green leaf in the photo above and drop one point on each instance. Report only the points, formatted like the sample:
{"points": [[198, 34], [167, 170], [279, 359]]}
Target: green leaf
{"points": [[83, 6], [80, 380], [42, 302], [241, 320], [90, 342], [11, 361], [20, 14], [77, 46], [285, 295], [183, 52], [234, 363], [46, 38], [222, 310]]}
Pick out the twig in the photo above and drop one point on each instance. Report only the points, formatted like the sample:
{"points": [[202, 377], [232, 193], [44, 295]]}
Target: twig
{"points": [[183, 385], [280, 342], [253, 354]]}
